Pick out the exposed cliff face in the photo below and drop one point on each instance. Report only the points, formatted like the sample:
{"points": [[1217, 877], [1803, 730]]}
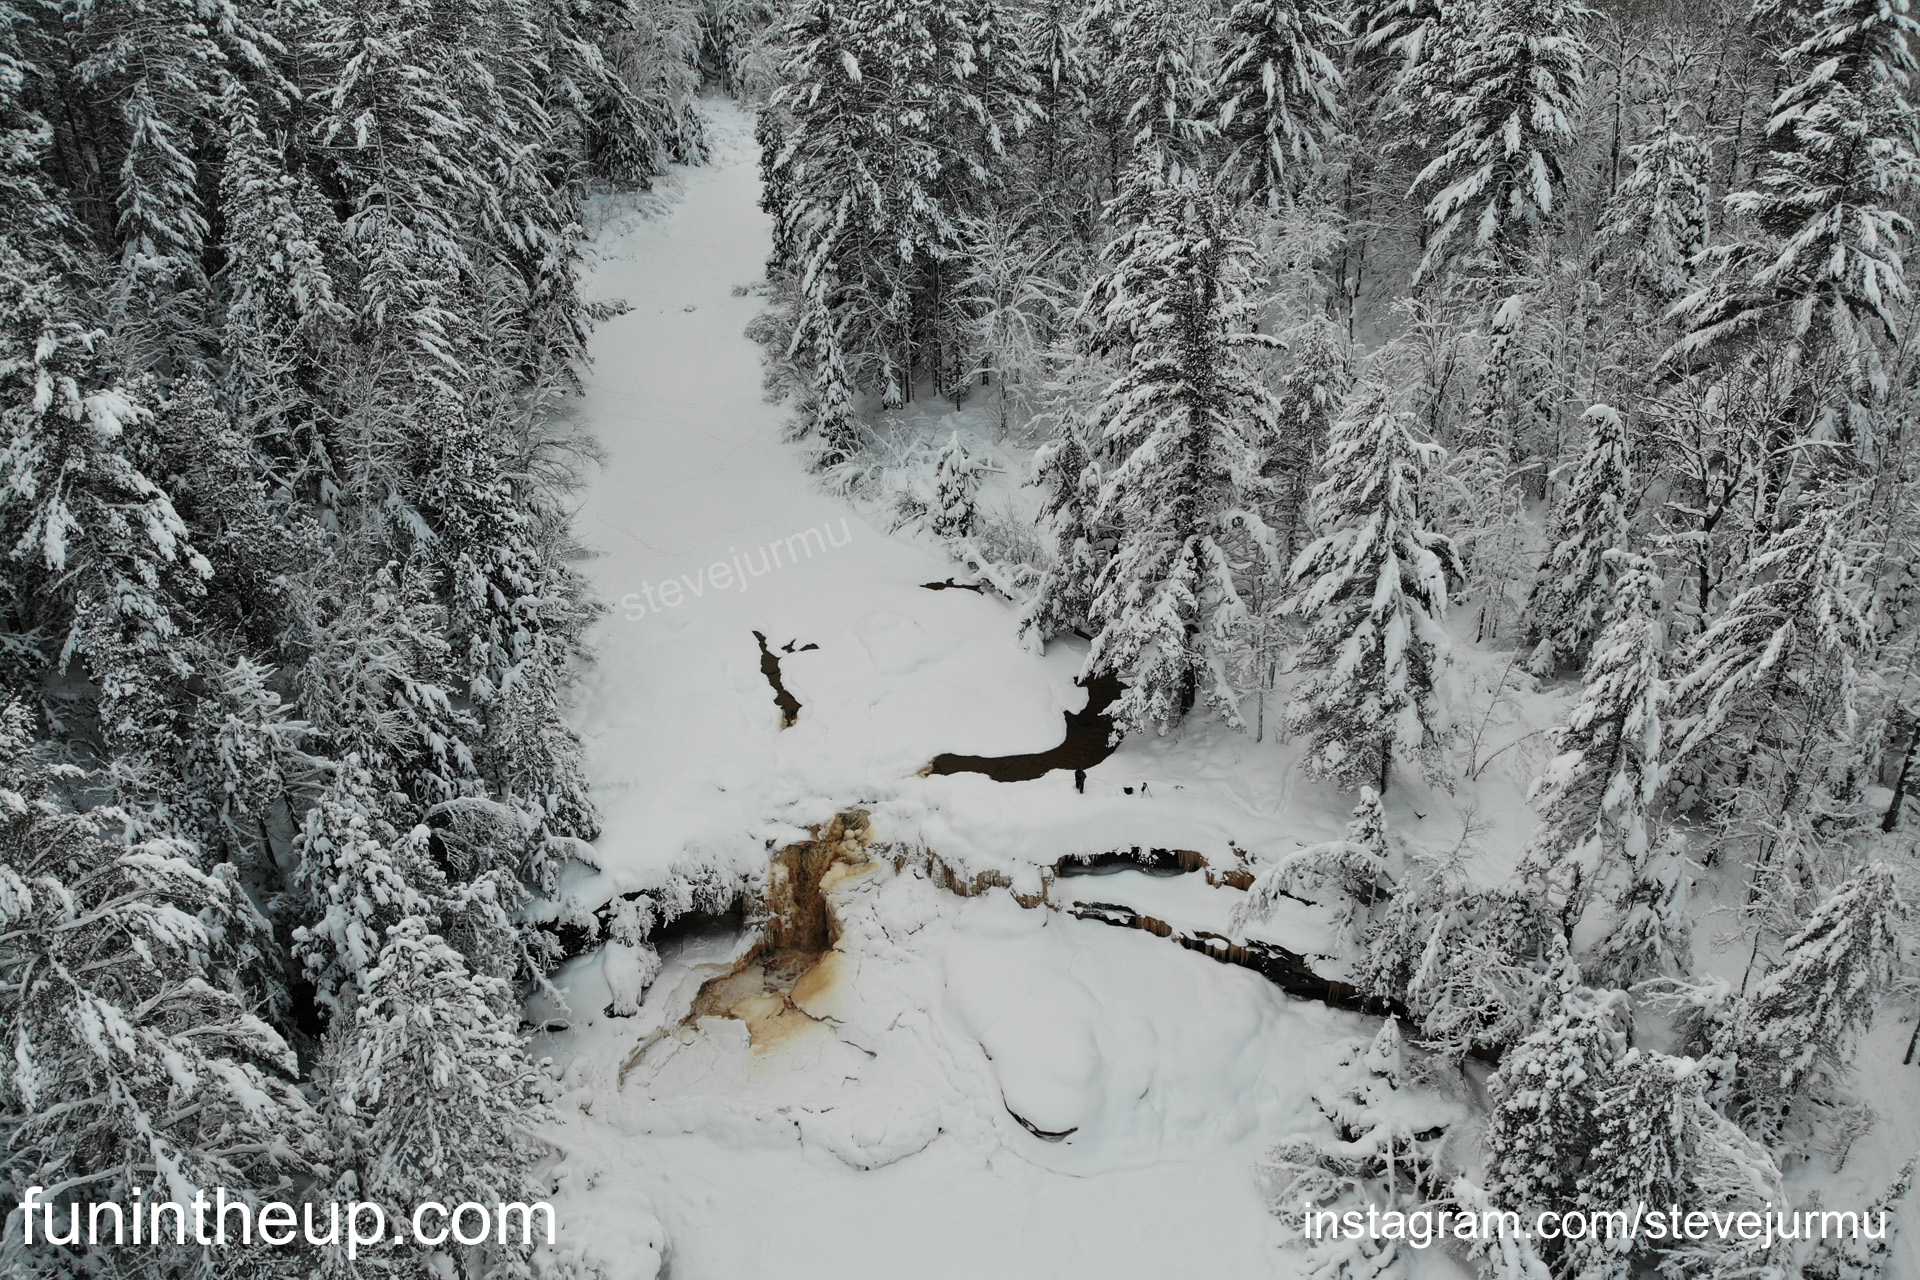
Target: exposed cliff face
{"points": [[793, 979], [798, 915], [787, 985]]}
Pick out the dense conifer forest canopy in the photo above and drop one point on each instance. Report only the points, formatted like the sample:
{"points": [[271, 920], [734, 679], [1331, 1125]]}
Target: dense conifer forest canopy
{"points": [[1339, 338]]}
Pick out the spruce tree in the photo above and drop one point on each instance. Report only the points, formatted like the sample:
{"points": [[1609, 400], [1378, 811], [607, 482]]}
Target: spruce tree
{"points": [[1660, 216], [1869, 1255], [515, 617], [1063, 596], [1373, 589], [136, 1063], [1547, 1098], [1575, 589], [1763, 696], [101, 569], [1279, 92], [431, 1090], [893, 132], [1313, 385], [1651, 933], [1596, 793], [1512, 95], [956, 478], [1791, 1036], [1179, 423], [1824, 275], [1156, 99]]}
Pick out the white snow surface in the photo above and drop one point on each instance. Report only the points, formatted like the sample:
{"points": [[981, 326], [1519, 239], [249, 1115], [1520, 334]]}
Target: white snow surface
{"points": [[879, 1139], [882, 1140], [685, 748]]}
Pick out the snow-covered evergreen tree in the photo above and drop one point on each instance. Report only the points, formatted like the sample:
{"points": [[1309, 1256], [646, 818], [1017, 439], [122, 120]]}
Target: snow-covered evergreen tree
{"points": [[284, 319], [1350, 876], [1869, 1255], [1373, 589], [1825, 274], [956, 480], [1658, 219], [1651, 933], [1179, 423], [514, 620], [1512, 95], [1156, 96], [1312, 387], [430, 1086], [1791, 1037], [1575, 589], [1063, 597], [1383, 1150], [1546, 1098], [360, 877], [893, 131], [1596, 793], [1766, 692], [1279, 92], [100, 563], [249, 763], [134, 1062], [1055, 43]]}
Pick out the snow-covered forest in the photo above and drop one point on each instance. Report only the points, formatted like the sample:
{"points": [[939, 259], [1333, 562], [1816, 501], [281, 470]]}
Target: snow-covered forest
{"points": [[1454, 465]]}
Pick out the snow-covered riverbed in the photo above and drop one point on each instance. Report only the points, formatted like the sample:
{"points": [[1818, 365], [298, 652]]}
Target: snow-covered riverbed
{"points": [[1172, 1071]]}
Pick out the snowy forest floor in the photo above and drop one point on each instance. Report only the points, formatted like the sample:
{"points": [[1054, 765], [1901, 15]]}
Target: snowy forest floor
{"points": [[891, 1134]]}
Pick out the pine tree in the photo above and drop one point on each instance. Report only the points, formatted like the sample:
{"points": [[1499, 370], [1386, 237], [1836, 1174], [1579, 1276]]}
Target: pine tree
{"points": [[377, 679], [248, 763], [284, 321], [400, 145], [1512, 94], [1055, 41], [1575, 589], [1790, 1037], [1373, 587], [1403, 27], [1512, 407], [1278, 92], [1179, 423], [514, 620], [32, 221]]}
